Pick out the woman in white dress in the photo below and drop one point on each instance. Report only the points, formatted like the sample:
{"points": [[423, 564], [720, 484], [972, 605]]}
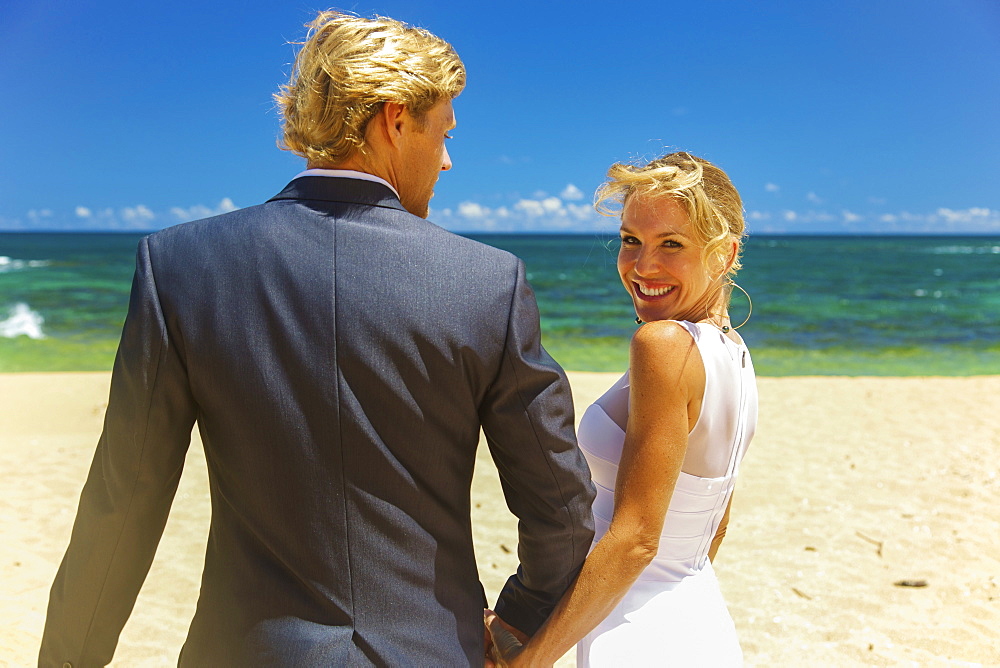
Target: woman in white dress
{"points": [[665, 442]]}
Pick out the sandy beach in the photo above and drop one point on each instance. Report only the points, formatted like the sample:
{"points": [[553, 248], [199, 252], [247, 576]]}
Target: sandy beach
{"points": [[851, 486]]}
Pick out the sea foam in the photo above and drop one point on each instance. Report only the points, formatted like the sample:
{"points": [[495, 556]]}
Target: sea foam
{"points": [[966, 250], [11, 264], [22, 321]]}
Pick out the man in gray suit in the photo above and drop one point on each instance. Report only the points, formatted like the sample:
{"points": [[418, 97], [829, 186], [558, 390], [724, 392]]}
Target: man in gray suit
{"points": [[339, 354]]}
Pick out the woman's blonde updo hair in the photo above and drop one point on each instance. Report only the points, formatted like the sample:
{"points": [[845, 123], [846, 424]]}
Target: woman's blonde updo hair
{"points": [[714, 207], [347, 67]]}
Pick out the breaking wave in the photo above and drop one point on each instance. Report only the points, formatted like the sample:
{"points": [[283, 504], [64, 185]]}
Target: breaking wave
{"points": [[22, 321]]}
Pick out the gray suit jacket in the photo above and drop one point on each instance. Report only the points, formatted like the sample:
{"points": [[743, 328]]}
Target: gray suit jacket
{"points": [[339, 356]]}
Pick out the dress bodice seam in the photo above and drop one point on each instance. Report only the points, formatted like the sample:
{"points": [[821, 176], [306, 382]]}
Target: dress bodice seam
{"points": [[611, 461]]}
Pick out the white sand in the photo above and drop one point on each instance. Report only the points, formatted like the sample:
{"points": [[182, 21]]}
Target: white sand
{"points": [[850, 485]]}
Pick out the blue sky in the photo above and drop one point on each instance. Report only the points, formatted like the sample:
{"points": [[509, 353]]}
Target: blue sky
{"points": [[855, 116]]}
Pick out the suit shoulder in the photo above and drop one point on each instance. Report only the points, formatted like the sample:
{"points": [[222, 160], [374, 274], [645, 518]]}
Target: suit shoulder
{"points": [[220, 221], [214, 228], [480, 252]]}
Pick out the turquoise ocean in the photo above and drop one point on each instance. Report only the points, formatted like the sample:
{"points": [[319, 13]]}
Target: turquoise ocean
{"points": [[822, 305]]}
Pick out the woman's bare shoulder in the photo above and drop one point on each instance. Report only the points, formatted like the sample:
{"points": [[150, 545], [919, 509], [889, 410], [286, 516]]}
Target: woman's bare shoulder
{"points": [[664, 356], [662, 337]]}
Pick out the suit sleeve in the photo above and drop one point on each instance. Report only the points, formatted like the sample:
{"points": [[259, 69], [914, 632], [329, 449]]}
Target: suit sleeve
{"points": [[129, 490], [528, 421]]}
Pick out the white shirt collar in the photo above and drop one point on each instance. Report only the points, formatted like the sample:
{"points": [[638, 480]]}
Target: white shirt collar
{"points": [[347, 174]]}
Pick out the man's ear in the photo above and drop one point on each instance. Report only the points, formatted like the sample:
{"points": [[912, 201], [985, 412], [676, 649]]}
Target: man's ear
{"points": [[394, 116]]}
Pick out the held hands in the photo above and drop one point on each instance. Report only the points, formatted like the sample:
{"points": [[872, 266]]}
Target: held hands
{"points": [[504, 642]]}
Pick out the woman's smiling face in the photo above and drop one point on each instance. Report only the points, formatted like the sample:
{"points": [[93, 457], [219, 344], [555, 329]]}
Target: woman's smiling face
{"points": [[662, 262]]}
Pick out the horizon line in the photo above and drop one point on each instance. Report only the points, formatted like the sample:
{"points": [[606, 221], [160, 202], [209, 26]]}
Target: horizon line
{"points": [[563, 233]]}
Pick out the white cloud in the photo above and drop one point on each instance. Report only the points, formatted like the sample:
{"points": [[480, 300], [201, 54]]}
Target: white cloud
{"points": [[531, 207], [184, 215], [473, 210], [581, 211], [525, 214], [535, 208], [552, 204], [137, 215], [544, 212], [973, 220], [199, 211], [975, 214], [771, 187], [571, 192]]}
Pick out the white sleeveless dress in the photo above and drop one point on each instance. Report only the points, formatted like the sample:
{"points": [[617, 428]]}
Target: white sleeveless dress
{"points": [[674, 614]]}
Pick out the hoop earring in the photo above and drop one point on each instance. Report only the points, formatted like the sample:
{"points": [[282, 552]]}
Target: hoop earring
{"points": [[638, 320], [725, 330]]}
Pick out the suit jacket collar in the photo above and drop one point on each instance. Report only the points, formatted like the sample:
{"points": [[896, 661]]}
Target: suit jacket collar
{"points": [[335, 189]]}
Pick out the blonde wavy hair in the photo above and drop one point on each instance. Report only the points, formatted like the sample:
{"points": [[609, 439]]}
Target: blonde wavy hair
{"points": [[713, 205], [347, 68]]}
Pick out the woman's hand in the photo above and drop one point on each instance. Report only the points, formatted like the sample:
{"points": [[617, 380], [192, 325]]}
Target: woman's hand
{"points": [[508, 642]]}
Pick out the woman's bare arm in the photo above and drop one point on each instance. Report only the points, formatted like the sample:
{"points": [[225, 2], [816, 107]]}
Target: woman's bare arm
{"points": [[666, 373]]}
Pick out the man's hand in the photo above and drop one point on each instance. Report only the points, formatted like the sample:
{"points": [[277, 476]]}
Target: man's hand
{"points": [[504, 642]]}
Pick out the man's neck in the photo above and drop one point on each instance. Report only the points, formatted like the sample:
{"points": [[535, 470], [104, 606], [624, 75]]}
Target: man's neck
{"points": [[352, 164], [355, 163]]}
